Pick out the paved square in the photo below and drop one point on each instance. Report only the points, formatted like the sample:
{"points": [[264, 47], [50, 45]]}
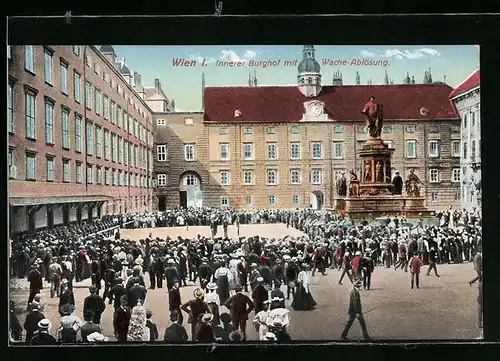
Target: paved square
{"points": [[443, 308]]}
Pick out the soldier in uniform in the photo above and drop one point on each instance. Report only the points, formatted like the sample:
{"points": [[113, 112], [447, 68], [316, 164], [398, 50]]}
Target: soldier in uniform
{"points": [[355, 311]]}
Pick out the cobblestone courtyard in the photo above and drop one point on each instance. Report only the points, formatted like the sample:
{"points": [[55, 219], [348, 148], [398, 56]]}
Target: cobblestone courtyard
{"points": [[443, 308]]}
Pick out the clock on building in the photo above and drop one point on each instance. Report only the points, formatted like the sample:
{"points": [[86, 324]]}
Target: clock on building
{"points": [[316, 109]]}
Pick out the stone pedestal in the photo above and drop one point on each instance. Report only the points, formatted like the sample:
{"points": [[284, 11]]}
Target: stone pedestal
{"points": [[375, 189]]}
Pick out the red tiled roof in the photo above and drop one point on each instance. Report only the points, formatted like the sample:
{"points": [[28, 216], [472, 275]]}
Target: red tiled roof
{"points": [[469, 83], [343, 103]]}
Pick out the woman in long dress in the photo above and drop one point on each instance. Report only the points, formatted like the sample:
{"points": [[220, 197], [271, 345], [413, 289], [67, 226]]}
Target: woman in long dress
{"points": [[260, 321], [137, 329], [213, 301], [303, 300]]}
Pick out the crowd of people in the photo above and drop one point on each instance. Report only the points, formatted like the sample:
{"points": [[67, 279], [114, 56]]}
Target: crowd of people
{"points": [[245, 275]]}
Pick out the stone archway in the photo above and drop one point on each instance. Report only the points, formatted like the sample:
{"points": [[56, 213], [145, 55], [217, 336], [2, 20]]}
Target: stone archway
{"points": [[317, 200], [190, 191]]}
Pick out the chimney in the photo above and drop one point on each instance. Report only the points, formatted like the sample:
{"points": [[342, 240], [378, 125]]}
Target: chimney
{"points": [[157, 85]]}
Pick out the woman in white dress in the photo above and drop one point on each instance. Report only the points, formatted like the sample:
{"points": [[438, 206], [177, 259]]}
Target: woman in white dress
{"points": [[137, 329], [260, 321], [213, 301]]}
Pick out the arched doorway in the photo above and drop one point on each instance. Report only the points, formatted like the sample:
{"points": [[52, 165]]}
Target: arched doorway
{"points": [[190, 193], [316, 200]]}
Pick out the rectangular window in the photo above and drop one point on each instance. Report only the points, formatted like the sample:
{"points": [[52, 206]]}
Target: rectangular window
{"points": [[248, 177], [271, 130], [248, 151], [434, 197], [295, 150], [66, 171], [455, 148], [272, 154], [272, 177], [338, 150], [97, 101], [77, 86], [295, 176], [433, 148], [115, 177], [316, 150], [29, 58], [98, 142], [249, 201], [76, 50], [224, 151], [10, 108], [225, 178], [99, 175], [338, 129], [161, 152], [113, 148], [79, 174], [125, 152], [473, 150], [362, 129], [107, 174], [465, 150], [48, 67], [294, 130], [188, 121], [411, 149], [224, 202], [455, 177], [248, 131], [88, 95], [120, 150], [49, 122], [272, 200], [114, 112], [457, 197], [87, 59], [9, 52], [473, 119], [105, 77], [30, 103], [30, 166], [90, 174], [161, 122], [64, 78], [434, 175], [107, 144], [78, 133], [295, 200], [89, 135], [189, 152], [387, 129], [316, 176], [411, 128], [66, 138], [50, 170], [162, 180], [97, 68]]}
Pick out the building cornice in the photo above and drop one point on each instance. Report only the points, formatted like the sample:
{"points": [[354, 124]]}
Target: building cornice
{"points": [[456, 97]]}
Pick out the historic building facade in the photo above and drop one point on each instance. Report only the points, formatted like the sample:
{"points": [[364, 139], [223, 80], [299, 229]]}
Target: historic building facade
{"points": [[284, 146], [80, 136], [466, 98]]}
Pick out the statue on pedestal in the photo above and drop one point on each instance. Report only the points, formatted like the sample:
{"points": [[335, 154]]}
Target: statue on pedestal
{"points": [[367, 176], [412, 184], [353, 184], [379, 172], [374, 117], [342, 185]]}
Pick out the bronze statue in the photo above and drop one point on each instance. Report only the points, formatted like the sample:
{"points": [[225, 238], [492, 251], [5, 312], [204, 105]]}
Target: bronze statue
{"points": [[353, 184], [374, 117], [412, 184], [367, 174]]}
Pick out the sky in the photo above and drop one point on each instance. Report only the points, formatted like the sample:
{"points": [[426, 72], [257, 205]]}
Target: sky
{"points": [[183, 83]]}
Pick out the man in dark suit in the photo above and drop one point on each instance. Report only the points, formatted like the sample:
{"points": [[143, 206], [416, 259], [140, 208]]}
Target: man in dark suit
{"points": [[259, 295], [158, 269], [36, 282], [174, 301], [94, 303], [153, 329], [89, 326], [121, 320], [136, 293], [237, 305], [397, 183], [116, 293], [195, 308], [31, 321], [175, 332], [43, 337], [278, 293], [171, 274], [355, 311]]}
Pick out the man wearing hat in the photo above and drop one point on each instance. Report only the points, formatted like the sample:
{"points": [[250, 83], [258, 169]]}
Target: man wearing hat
{"points": [[432, 262], [174, 301], [121, 320], [89, 326], [16, 331], [175, 332], [35, 280], [291, 273], [278, 293], [397, 184], [153, 329], [171, 274], [195, 308], [355, 264], [94, 303], [346, 267], [239, 311], [259, 295], [367, 266], [204, 272], [43, 336], [205, 332], [415, 265], [355, 311], [31, 321]]}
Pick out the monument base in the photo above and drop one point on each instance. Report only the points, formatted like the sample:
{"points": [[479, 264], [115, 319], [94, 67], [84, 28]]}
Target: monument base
{"points": [[376, 206]]}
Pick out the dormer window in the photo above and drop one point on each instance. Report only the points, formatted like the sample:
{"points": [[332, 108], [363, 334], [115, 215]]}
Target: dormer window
{"points": [[237, 113]]}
